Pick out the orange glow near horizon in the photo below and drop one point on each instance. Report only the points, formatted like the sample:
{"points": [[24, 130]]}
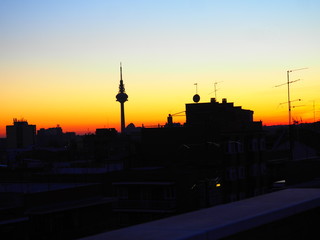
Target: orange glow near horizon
{"points": [[83, 106], [91, 128], [87, 123]]}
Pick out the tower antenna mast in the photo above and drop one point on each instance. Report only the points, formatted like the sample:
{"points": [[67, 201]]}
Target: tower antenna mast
{"points": [[120, 71]]}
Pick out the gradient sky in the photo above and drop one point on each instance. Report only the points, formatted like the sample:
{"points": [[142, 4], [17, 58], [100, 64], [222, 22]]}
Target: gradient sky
{"points": [[59, 59]]}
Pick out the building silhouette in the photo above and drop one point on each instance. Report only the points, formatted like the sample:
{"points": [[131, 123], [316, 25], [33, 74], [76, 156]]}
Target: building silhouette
{"points": [[217, 117], [241, 142], [68, 186], [52, 137], [217, 157], [20, 135], [122, 97]]}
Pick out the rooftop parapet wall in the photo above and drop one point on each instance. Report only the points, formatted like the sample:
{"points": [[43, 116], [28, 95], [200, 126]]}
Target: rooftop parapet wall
{"points": [[223, 221]]}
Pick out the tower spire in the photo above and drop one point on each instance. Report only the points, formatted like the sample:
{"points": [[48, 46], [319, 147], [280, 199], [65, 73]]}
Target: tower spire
{"points": [[121, 85], [120, 71]]}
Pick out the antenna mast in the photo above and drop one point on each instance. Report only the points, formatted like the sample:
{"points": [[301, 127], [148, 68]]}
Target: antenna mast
{"points": [[196, 97], [289, 108], [120, 71], [196, 87], [215, 89], [288, 83]]}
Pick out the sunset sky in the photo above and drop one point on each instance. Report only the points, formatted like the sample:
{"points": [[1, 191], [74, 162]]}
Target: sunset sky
{"points": [[59, 59]]}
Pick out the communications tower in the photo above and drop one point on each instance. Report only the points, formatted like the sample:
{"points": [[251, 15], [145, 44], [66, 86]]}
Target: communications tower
{"points": [[122, 97]]}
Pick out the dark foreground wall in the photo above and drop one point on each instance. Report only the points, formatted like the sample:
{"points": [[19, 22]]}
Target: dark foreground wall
{"points": [[286, 214]]}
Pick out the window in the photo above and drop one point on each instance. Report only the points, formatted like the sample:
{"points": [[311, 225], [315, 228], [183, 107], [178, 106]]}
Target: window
{"points": [[169, 193], [240, 147], [255, 170], [232, 147], [254, 145], [232, 174], [235, 147], [242, 172], [145, 194], [263, 169]]}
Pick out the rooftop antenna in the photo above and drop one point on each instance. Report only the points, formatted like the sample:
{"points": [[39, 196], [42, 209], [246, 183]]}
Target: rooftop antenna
{"points": [[215, 89], [314, 111], [196, 84], [196, 97], [289, 106], [288, 87]]}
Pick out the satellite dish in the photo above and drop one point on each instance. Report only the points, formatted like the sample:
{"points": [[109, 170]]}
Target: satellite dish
{"points": [[196, 98]]}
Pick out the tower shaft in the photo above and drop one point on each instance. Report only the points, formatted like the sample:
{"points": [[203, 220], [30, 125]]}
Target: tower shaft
{"points": [[123, 125]]}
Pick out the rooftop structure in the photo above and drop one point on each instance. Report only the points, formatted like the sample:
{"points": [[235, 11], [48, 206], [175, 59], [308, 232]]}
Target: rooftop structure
{"points": [[218, 116], [20, 134]]}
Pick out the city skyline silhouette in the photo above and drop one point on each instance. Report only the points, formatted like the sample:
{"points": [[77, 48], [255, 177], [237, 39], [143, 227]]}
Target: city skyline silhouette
{"points": [[194, 116], [60, 60]]}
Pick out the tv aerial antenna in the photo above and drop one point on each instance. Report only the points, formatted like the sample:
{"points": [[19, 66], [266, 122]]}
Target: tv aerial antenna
{"points": [[196, 97], [288, 83], [215, 89]]}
